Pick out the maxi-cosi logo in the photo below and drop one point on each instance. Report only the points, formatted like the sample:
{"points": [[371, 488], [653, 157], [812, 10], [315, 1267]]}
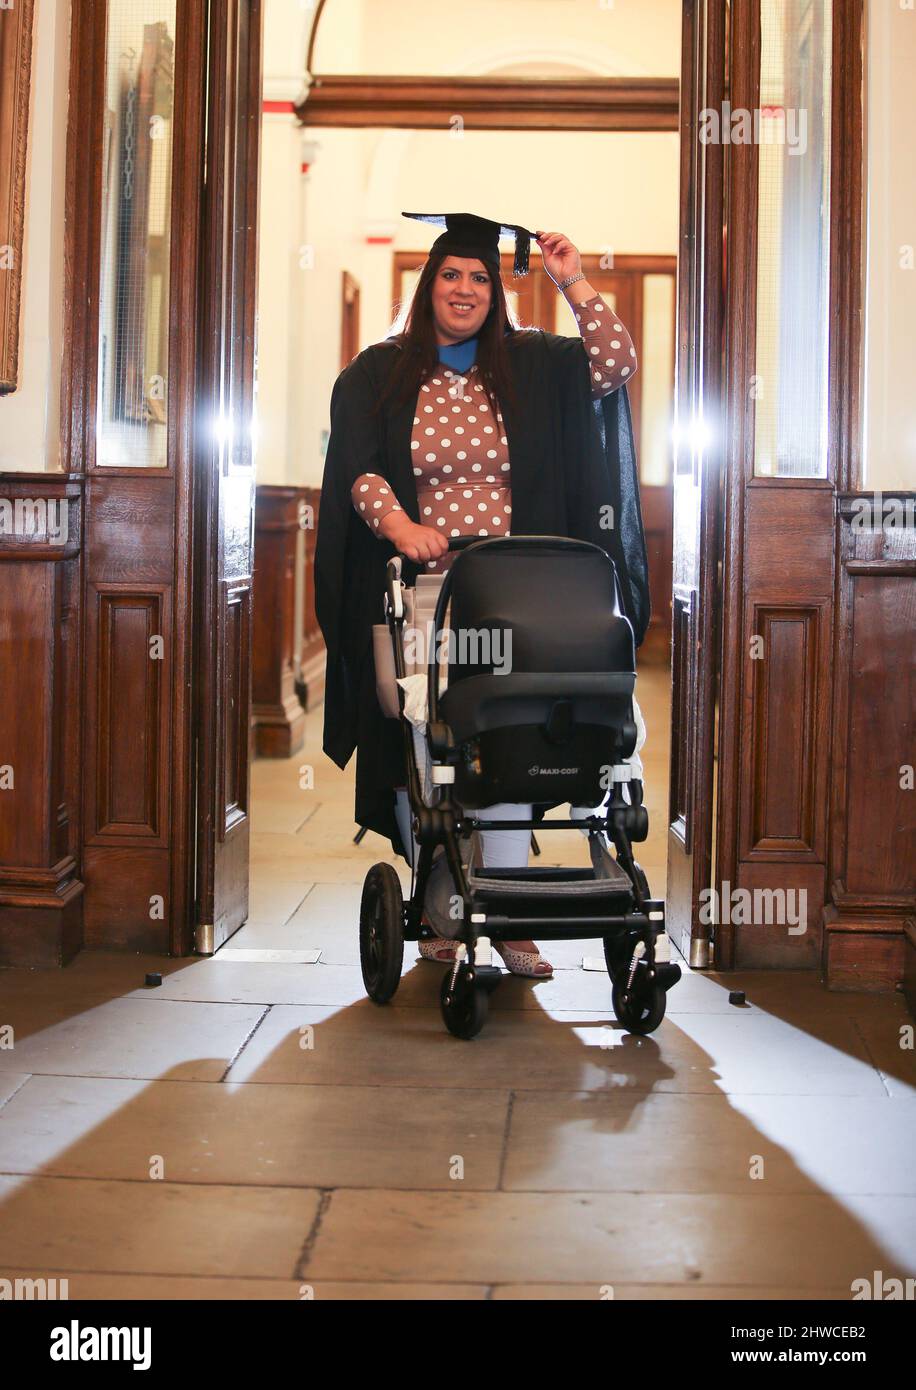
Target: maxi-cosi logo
{"points": [[536, 771], [75, 1343]]}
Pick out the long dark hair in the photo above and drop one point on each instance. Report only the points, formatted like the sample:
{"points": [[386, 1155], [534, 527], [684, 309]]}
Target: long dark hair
{"points": [[415, 333]]}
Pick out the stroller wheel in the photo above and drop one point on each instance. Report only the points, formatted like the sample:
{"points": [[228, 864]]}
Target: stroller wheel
{"points": [[381, 933], [642, 1008], [464, 1005]]}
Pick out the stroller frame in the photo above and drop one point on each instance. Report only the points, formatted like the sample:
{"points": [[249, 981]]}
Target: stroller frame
{"points": [[639, 983]]}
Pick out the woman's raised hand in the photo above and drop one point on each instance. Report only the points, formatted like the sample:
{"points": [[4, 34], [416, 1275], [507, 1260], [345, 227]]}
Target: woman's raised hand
{"points": [[416, 542], [561, 258]]}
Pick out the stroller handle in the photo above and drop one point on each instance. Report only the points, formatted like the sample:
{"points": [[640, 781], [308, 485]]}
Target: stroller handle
{"points": [[522, 542]]}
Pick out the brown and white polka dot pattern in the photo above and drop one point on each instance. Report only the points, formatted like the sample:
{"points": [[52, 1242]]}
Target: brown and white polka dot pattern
{"points": [[373, 498], [460, 460], [612, 355], [460, 451]]}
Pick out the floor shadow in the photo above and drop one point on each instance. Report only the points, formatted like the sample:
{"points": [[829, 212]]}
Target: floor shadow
{"points": [[357, 1100]]}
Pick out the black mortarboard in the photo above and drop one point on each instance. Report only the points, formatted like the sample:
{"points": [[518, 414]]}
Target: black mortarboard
{"points": [[468, 235]]}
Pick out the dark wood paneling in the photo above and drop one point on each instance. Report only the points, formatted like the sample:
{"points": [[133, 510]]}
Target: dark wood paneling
{"points": [[788, 548], [657, 519], [128, 701], [235, 705], [701, 306], [135, 743], [131, 529], [224, 514], [872, 842], [683, 682], [40, 886], [847, 242], [784, 712], [127, 898], [349, 318], [881, 713], [312, 653], [779, 532], [782, 813], [279, 723], [29, 606], [781, 945], [909, 963]]}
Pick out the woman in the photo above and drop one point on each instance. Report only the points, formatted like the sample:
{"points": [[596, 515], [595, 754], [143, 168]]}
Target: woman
{"points": [[465, 424]]}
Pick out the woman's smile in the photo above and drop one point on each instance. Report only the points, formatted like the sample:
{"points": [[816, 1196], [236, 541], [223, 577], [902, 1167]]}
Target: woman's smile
{"points": [[461, 293]]}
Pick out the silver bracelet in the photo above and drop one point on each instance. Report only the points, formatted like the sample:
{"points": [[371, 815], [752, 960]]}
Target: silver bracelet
{"points": [[571, 280]]}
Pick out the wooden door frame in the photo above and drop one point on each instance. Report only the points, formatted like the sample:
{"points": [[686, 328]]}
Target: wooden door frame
{"points": [[701, 315], [228, 270], [846, 297], [110, 493]]}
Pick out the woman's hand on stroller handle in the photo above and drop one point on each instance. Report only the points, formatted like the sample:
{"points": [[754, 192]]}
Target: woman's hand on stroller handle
{"points": [[418, 543]]}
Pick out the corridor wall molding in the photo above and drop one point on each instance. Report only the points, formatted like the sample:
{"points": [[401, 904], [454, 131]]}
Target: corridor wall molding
{"points": [[491, 103]]}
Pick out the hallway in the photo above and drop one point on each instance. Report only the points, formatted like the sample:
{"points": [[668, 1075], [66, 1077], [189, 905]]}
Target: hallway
{"points": [[255, 1128]]}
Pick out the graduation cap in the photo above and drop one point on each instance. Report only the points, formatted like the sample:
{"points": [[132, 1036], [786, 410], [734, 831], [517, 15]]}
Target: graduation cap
{"points": [[477, 237]]}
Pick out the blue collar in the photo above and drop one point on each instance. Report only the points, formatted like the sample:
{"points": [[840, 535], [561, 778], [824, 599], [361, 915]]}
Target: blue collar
{"points": [[459, 356]]}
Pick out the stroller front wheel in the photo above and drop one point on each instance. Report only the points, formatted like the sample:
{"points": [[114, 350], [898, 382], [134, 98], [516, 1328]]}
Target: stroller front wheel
{"points": [[464, 1005], [641, 1008], [381, 933]]}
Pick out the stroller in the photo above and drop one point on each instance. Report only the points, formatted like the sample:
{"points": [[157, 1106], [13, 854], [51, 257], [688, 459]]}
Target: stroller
{"points": [[552, 725]]}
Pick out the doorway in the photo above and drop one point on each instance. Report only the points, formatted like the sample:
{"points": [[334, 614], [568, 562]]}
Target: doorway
{"points": [[337, 261]]}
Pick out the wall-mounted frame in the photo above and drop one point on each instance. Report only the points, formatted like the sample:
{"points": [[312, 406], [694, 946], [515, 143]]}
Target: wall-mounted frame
{"points": [[15, 87]]}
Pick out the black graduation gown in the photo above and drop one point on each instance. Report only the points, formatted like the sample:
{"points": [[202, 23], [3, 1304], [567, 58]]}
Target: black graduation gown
{"points": [[570, 457]]}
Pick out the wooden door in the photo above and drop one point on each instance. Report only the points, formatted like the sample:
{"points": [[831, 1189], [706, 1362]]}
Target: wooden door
{"points": [[224, 503], [697, 469]]}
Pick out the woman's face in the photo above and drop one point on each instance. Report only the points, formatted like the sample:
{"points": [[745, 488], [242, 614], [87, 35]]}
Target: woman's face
{"points": [[461, 298]]}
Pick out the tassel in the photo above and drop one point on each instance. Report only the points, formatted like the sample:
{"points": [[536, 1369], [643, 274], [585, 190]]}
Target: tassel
{"points": [[522, 250]]}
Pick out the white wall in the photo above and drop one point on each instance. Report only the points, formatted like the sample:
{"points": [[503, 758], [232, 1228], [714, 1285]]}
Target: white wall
{"points": [[890, 359], [30, 416], [635, 37], [616, 191]]}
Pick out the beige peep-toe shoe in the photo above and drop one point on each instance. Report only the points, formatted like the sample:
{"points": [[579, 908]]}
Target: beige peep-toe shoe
{"points": [[530, 964]]}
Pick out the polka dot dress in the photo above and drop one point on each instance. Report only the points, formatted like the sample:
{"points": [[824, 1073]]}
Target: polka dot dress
{"points": [[459, 448]]}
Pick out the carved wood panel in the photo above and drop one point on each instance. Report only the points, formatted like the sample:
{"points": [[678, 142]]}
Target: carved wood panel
{"points": [[783, 733], [129, 633], [236, 666], [683, 714], [40, 699], [873, 809]]}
